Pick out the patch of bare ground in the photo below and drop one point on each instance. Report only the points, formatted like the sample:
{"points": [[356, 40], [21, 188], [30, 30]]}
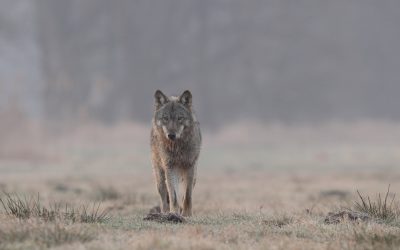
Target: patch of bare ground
{"points": [[165, 218]]}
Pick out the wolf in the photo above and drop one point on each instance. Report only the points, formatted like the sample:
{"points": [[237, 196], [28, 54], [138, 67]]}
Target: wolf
{"points": [[175, 148]]}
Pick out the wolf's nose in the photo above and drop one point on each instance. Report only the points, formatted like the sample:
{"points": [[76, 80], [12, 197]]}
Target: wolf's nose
{"points": [[171, 136]]}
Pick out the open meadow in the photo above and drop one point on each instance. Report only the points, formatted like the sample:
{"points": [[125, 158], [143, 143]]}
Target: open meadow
{"points": [[258, 187]]}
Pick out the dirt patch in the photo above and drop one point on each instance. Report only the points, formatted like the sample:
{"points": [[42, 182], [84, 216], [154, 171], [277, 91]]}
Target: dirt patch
{"points": [[165, 218], [334, 218], [334, 193]]}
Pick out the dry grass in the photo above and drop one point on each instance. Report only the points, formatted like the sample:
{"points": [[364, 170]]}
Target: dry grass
{"points": [[35, 234], [381, 208], [25, 208], [379, 239], [272, 192]]}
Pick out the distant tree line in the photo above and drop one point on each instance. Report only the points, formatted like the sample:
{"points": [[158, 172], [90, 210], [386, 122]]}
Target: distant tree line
{"points": [[267, 60]]}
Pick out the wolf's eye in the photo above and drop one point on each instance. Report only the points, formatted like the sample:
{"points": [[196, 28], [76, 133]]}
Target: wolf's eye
{"points": [[180, 118], [165, 118]]}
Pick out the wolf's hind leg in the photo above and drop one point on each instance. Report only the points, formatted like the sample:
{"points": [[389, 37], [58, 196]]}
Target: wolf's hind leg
{"points": [[188, 184]]}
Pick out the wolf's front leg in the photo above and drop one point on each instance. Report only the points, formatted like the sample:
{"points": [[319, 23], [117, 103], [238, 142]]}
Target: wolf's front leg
{"points": [[162, 189], [188, 184], [172, 186]]}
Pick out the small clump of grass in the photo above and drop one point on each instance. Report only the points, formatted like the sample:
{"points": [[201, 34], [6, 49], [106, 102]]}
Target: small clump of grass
{"points": [[93, 215], [25, 208], [381, 208]]}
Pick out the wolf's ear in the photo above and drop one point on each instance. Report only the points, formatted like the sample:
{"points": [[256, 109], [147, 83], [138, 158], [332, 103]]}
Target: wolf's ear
{"points": [[160, 98], [186, 98]]}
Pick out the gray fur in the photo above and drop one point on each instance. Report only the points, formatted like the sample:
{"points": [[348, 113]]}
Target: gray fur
{"points": [[175, 160]]}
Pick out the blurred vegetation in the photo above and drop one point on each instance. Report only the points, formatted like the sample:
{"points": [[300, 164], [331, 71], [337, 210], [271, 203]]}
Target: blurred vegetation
{"points": [[102, 60]]}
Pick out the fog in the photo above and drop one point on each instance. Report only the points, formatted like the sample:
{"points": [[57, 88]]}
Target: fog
{"points": [[279, 60]]}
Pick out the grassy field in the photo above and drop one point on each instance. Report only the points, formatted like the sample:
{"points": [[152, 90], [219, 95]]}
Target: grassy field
{"points": [[259, 187]]}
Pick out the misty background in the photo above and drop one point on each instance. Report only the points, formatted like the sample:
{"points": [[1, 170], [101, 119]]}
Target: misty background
{"points": [[276, 60]]}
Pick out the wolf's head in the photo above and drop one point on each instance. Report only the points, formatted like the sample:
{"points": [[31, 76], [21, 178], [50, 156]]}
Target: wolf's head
{"points": [[174, 114]]}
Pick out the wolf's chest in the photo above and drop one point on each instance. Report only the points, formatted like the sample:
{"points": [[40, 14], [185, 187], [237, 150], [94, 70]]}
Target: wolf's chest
{"points": [[178, 155]]}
